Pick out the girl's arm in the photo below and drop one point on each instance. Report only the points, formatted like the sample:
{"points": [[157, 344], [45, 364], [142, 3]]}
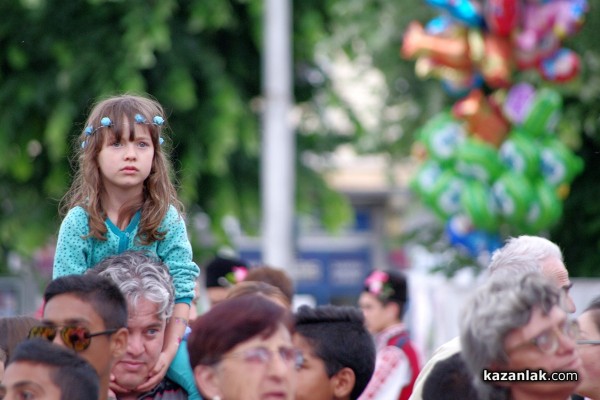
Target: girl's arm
{"points": [[175, 251], [71, 249]]}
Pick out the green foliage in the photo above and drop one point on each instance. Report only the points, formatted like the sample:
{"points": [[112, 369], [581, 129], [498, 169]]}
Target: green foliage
{"points": [[199, 59], [370, 33]]}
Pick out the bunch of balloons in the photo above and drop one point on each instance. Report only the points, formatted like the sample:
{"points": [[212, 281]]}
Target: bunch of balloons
{"points": [[494, 158], [473, 43]]}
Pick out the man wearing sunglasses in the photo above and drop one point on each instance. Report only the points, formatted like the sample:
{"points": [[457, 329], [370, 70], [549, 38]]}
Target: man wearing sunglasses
{"points": [[148, 288], [518, 341], [87, 314]]}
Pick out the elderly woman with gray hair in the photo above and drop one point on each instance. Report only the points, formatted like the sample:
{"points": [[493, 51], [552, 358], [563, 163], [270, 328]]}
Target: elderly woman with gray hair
{"points": [[517, 341]]}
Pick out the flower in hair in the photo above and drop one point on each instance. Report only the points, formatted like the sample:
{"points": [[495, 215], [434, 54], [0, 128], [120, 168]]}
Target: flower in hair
{"points": [[378, 284], [106, 122], [237, 275], [158, 120], [139, 118], [89, 130]]}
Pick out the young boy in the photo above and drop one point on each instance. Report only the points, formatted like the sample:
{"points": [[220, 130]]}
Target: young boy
{"points": [[39, 369], [383, 302], [339, 354], [87, 314]]}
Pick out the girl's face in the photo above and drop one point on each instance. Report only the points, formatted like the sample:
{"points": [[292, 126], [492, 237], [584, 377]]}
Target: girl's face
{"points": [[126, 163]]}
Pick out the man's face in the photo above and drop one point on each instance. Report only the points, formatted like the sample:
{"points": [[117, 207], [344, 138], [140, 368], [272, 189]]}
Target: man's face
{"points": [[27, 380], [377, 316], [146, 337], [313, 382], [68, 310], [554, 269], [523, 354]]}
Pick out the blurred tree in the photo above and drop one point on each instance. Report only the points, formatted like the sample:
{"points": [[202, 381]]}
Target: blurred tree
{"points": [[200, 59], [370, 32]]}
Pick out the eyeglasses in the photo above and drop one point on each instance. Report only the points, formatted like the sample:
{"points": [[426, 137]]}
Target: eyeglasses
{"points": [[548, 341], [78, 338], [263, 355], [586, 341]]}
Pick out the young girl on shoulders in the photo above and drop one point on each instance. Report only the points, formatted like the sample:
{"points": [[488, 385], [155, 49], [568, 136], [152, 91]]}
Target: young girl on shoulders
{"points": [[122, 198]]}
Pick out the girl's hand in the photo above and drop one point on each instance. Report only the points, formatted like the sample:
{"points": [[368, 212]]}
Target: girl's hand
{"points": [[157, 373], [114, 387]]}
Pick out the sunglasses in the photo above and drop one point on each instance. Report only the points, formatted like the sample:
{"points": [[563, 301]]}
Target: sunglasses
{"points": [[77, 338]]}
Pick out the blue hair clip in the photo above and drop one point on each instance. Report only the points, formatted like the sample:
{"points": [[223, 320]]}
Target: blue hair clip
{"points": [[157, 120], [105, 122]]}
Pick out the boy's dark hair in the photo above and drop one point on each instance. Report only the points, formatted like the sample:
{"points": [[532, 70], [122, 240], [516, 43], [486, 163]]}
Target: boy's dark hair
{"points": [[75, 377], [103, 294], [217, 268], [395, 289], [450, 379], [338, 336]]}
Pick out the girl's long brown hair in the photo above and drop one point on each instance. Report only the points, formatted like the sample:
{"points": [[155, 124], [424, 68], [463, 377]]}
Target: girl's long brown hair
{"points": [[87, 188]]}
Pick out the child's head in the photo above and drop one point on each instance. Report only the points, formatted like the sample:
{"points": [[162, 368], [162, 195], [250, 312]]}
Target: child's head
{"points": [[383, 300], [339, 353], [121, 111], [116, 120]]}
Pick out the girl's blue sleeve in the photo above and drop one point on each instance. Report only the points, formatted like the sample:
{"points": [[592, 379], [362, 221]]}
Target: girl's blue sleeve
{"points": [[175, 250], [181, 372], [71, 249]]}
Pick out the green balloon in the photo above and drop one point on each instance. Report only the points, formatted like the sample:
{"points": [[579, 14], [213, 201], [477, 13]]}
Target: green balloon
{"points": [[513, 194], [425, 179], [520, 154], [445, 196], [545, 209], [558, 164], [478, 160], [478, 203], [544, 113], [442, 135]]}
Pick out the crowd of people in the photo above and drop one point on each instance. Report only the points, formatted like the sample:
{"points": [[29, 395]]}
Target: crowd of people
{"points": [[119, 318]]}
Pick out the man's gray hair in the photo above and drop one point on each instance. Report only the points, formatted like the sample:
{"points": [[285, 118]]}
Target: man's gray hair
{"points": [[499, 306], [523, 254], [140, 275]]}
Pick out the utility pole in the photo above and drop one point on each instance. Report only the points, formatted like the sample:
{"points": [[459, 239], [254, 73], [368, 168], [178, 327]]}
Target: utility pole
{"points": [[278, 145]]}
